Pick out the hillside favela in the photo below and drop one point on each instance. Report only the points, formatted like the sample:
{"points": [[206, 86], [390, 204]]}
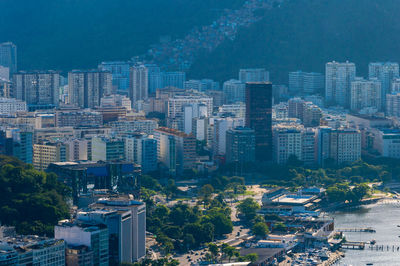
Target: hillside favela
{"points": [[199, 132]]}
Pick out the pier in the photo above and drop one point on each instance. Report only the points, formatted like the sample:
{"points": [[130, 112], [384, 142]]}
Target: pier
{"points": [[387, 248], [353, 245], [365, 230]]}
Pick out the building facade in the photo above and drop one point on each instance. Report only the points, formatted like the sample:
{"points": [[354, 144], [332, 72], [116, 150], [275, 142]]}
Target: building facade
{"points": [[259, 117]]}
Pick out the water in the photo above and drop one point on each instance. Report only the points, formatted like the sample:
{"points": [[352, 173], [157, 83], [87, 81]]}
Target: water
{"points": [[384, 218]]}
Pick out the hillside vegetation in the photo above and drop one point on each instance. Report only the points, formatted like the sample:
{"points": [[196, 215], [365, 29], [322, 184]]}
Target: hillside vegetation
{"points": [[66, 34], [30, 200], [305, 34]]}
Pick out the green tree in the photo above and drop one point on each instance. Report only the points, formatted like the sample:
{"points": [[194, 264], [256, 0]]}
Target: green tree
{"points": [[214, 251], [248, 208], [280, 227], [30, 200], [260, 229], [252, 257]]}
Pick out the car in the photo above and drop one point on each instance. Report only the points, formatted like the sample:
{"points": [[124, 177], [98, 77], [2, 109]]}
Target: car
{"points": [[188, 257], [197, 254]]}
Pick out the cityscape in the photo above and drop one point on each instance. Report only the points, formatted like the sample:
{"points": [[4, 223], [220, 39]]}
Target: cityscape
{"points": [[134, 162]]}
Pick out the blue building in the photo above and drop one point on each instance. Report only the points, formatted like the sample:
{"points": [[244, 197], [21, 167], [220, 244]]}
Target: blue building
{"points": [[17, 143], [120, 75]]}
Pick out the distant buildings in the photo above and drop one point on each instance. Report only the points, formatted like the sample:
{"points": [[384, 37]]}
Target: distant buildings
{"points": [[338, 78], [120, 75], [220, 127], [365, 94], [385, 73], [87, 87], [259, 117], [176, 108], [339, 145], [139, 83], [240, 145], [11, 106], [92, 235], [173, 79], [32, 250], [306, 82], [107, 149], [253, 75], [141, 149], [234, 91], [39, 88], [132, 234], [393, 104], [201, 85], [45, 154], [8, 56], [176, 150]]}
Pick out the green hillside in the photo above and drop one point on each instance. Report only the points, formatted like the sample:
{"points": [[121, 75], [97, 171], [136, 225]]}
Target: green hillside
{"points": [[66, 34], [305, 34]]}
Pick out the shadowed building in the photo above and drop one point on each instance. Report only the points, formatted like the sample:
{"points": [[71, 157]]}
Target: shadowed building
{"points": [[259, 117]]}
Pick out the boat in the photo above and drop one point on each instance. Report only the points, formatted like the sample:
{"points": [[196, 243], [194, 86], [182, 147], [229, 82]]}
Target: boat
{"points": [[373, 242], [370, 263]]}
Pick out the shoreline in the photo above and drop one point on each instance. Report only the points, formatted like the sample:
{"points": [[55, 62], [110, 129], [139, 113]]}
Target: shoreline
{"points": [[347, 206]]}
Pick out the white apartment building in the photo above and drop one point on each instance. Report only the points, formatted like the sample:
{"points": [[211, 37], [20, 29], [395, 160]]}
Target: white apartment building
{"points": [[338, 78], [11, 106], [385, 72], [365, 94], [221, 126], [287, 141], [234, 91], [140, 125]]}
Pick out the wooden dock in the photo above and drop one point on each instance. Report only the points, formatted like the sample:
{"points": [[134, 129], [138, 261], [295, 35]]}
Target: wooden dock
{"points": [[353, 245]]}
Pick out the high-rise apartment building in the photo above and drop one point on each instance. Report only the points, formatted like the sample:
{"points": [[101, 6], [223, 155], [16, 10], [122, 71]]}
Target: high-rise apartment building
{"points": [[296, 82], [37, 88], [139, 83], [174, 79], [393, 104], [176, 108], [8, 56], [201, 85], [176, 150], [120, 75], [395, 86], [234, 91], [365, 94], [141, 149], [341, 145], [338, 78], [221, 126], [4, 73], [87, 87], [313, 82], [133, 242], [240, 145], [107, 149], [259, 117], [287, 141], [253, 75], [45, 154], [6, 90], [385, 72]]}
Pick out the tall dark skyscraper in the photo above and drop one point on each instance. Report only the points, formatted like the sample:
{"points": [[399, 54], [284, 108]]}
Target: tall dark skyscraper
{"points": [[259, 117], [8, 56]]}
